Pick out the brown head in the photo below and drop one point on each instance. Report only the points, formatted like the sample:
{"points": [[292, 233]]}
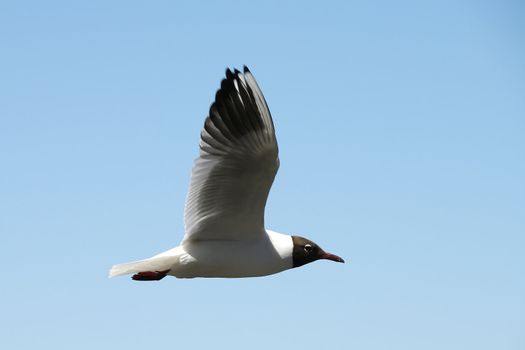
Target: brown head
{"points": [[306, 251]]}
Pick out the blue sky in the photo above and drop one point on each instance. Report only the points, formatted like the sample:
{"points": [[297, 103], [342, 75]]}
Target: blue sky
{"points": [[401, 132]]}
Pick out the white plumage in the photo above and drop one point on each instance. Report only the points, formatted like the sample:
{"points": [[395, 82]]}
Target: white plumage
{"points": [[230, 182]]}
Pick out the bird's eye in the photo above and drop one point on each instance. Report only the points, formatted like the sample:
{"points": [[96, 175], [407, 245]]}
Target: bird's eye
{"points": [[307, 248]]}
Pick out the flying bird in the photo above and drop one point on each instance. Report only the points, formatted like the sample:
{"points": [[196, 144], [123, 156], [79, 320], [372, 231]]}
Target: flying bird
{"points": [[224, 212]]}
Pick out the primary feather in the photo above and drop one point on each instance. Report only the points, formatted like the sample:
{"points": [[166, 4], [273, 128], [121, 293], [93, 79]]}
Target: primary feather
{"points": [[237, 163]]}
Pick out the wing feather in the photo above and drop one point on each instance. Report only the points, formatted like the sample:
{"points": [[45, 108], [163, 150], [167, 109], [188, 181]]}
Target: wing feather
{"points": [[237, 163]]}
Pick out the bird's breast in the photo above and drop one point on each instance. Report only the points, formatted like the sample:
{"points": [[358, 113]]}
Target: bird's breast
{"points": [[234, 258]]}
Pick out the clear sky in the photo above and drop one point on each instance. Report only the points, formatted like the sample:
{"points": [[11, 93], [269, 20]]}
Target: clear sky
{"points": [[401, 130]]}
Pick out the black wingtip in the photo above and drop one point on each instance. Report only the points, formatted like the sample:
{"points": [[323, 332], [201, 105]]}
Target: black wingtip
{"points": [[236, 72], [229, 74]]}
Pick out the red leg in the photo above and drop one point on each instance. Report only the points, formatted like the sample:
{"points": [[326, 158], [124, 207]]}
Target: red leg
{"points": [[150, 275]]}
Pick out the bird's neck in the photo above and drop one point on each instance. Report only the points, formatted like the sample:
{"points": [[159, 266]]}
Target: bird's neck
{"points": [[283, 244]]}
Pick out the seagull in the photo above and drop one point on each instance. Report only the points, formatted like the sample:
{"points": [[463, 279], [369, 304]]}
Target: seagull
{"points": [[224, 212]]}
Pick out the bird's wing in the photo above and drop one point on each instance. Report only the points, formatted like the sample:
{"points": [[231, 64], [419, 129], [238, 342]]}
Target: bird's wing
{"points": [[238, 160]]}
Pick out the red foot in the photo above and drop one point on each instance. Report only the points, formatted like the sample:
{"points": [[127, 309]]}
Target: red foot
{"points": [[150, 275]]}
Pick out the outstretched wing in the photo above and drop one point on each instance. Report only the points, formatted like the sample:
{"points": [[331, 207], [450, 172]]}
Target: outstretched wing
{"points": [[238, 160]]}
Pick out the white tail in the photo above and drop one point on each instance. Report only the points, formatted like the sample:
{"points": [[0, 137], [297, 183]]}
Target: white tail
{"points": [[152, 264]]}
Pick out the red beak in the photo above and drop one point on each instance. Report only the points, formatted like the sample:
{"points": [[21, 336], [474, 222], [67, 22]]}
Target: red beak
{"points": [[332, 257]]}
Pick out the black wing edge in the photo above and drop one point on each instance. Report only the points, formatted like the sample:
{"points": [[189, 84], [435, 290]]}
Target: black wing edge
{"points": [[237, 111]]}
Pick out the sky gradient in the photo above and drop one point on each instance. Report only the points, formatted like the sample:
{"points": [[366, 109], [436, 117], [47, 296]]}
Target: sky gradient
{"points": [[401, 132]]}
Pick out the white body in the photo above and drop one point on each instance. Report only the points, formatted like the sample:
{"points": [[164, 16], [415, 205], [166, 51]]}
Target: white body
{"points": [[229, 186], [216, 258]]}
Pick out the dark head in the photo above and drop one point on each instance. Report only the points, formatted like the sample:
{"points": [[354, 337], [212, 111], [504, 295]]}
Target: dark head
{"points": [[306, 251]]}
